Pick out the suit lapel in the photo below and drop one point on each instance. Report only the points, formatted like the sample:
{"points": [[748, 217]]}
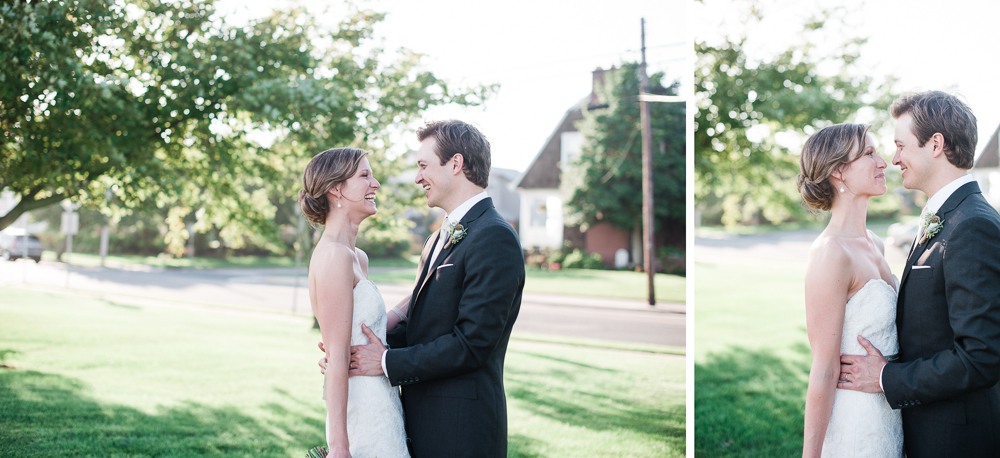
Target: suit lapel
{"points": [[422, 268], [473, 214], [948, 206]]}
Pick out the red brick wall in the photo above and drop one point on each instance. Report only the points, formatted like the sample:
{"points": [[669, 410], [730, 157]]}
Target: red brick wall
{"points": [[605, 239]]}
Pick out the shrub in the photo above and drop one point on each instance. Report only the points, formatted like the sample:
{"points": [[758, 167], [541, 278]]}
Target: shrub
{"points": [[672, 261], [580, 260]]}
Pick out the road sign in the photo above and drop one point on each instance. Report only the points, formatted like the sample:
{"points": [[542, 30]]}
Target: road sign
{"points": [[70, 223]]}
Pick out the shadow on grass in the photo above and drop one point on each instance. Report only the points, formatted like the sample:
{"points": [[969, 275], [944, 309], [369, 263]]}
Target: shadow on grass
{"points": [[564, 361], [520, 446], [750, 403], [596, 400], [48, 415]]}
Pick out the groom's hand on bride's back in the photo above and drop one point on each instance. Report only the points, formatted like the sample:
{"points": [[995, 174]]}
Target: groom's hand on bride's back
{"points": [[862, 373], [366, 360], [322, 361]]}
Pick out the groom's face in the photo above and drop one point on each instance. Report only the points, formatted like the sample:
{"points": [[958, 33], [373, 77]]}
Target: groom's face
{"points": [[914, 160], [431, 175]]}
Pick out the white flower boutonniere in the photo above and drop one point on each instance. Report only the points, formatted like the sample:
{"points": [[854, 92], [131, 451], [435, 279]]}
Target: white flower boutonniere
{"points": [[930, 226], [456, 232]]}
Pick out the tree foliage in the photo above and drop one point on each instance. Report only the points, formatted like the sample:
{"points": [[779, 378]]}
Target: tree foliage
{"points": [[604, 183], [745, 107], [179, 108]]}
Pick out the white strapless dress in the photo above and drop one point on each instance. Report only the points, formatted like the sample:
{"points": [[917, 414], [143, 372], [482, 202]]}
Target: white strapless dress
{"points": [[862, 424], [374, 412]]}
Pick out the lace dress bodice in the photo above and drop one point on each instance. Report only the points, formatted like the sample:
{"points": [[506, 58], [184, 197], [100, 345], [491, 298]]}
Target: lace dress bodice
{"points": [[863, 424]]}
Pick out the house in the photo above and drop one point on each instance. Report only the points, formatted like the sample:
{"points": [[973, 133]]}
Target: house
{"points": [[987, 170], [542, 204], [505, 199]]}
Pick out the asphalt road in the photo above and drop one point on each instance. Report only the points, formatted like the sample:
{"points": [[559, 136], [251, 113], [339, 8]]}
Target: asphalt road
{"points": [[785, 247], [275, 290]]}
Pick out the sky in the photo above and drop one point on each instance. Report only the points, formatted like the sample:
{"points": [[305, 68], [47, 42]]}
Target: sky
{"points": [[924, 45], [540, 52]]}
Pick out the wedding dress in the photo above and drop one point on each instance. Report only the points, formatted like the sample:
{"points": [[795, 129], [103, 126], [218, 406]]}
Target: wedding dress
{"points": [[374, 412], [862, 424]]}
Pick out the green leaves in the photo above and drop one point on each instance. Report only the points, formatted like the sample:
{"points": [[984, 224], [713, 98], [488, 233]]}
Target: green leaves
{"points": [[605, 181], [185, 112], [752, 116]]}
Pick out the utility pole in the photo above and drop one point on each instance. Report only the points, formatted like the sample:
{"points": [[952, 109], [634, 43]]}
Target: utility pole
{"points": [[299, 246], [70, 226], [105, 230], [647, 172]]}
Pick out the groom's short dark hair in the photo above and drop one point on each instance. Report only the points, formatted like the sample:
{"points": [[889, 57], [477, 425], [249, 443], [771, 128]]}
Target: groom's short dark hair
{"points": [[458, 137], [939, 112]]}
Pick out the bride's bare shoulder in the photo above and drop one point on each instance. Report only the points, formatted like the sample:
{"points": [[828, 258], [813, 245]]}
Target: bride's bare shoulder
{"points": [[329, 256], [829, 252]]}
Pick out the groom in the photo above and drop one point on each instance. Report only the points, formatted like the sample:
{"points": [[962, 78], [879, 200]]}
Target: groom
{"points": [[948, 310], [448, 354]]}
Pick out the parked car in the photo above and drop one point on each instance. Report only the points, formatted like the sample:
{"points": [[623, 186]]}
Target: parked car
{"points": [[902, 234], [11, 247]]}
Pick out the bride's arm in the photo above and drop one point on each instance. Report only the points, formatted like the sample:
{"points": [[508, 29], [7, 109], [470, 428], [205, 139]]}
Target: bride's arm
{"points": [[828, 278], [334, 285], [398, 313]]}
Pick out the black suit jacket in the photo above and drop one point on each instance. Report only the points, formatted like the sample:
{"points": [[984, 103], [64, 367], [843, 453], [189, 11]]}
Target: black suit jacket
{"points": [[448, 354], [948, 320]]}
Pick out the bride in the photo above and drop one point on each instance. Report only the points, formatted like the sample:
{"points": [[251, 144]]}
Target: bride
{"points": [[849, 291], [364, 415]]}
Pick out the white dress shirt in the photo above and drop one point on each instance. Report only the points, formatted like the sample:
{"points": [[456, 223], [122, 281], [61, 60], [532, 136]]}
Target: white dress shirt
{"points": [[455, 216]]}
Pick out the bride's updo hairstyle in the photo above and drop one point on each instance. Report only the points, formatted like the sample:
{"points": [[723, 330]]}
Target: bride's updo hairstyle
{"points": [[326, 170], [826, 152]]}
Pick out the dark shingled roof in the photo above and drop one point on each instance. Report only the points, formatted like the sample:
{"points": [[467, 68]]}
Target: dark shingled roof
{"points": [[543, 173], [544, 169]]}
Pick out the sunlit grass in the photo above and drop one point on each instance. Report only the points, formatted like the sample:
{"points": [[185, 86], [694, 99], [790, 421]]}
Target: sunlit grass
{"points": [[752, 359], [579, 282], [91, 377], [93, 260]]}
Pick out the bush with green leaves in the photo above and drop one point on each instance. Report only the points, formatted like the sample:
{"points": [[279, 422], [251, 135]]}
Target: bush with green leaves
{"points": [[580, 260]]}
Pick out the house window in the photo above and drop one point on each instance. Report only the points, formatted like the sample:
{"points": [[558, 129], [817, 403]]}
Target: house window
{"points": [[570, 144], [539, 212]]}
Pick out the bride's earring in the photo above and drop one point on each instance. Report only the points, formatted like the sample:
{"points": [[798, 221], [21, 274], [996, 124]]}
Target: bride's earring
{"points": [[338, 199], [841, 190]]}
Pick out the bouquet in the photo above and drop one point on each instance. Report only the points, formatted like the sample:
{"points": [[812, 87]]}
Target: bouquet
{"points": [[316, 452]]}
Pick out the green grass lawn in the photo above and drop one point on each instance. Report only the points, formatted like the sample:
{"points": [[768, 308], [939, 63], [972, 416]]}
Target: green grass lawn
{"points": [[90, 377], [579, 282], [751, 360], [93, 260], [752, 357]]}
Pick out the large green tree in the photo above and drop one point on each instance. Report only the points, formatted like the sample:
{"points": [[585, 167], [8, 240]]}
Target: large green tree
{"points": [[745, 106], [183, 111], [604, 184]]}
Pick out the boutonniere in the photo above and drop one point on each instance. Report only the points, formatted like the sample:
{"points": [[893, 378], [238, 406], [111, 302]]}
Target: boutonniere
{"points": [[931, 225], [456, 232]]}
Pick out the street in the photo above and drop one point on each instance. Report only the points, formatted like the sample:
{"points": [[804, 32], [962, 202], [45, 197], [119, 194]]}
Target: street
{"points": [[784, 247], [274, 290]]}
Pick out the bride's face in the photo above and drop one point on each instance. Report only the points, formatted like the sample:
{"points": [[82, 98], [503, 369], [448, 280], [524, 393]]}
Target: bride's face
{"points": [[864, 176], [358, 192]]}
